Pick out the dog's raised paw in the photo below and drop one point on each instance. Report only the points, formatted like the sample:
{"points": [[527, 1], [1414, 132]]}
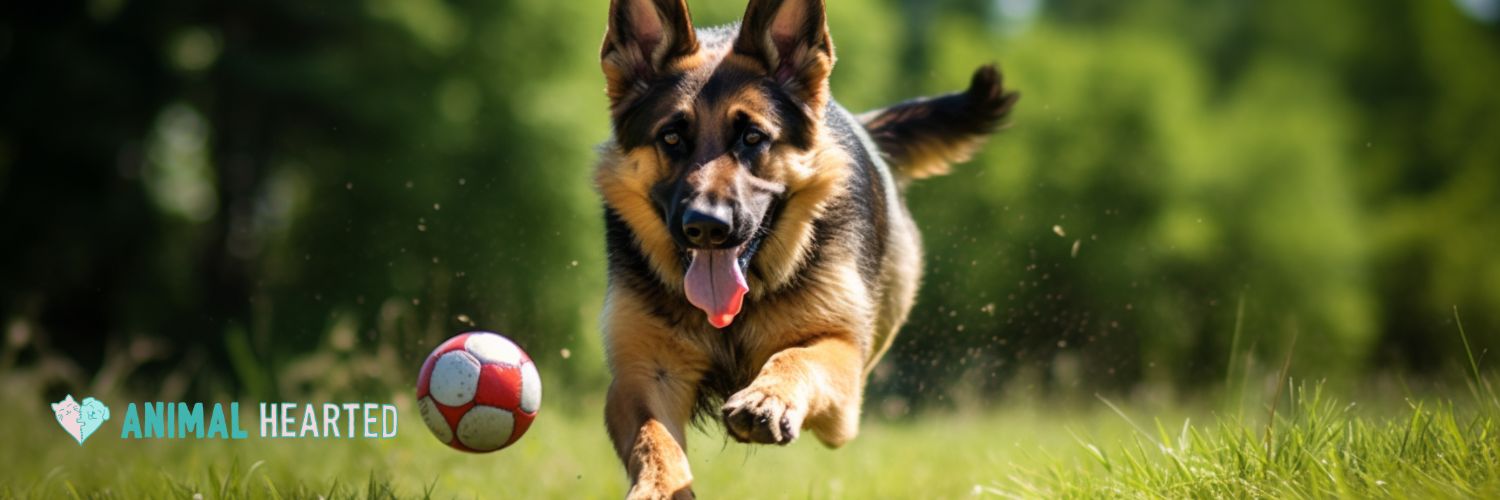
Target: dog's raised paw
{"points": [[755, 415]]}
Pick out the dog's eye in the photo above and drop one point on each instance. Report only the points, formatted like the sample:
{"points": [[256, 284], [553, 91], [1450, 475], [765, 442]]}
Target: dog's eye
{"points": [[671, 139], [753, 137]]}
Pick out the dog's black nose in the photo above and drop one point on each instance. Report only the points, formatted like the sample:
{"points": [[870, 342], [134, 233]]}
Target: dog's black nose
{"points": [[705, 230]]}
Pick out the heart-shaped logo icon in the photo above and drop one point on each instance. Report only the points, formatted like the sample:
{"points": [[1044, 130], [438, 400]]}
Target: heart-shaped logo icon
{"points": [[80, 420]]}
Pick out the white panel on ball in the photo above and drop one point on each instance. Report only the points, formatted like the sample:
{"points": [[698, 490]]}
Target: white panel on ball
{"points": [[485, 428], [531, 388], [491, 348], [434, 420], [455, 377]]}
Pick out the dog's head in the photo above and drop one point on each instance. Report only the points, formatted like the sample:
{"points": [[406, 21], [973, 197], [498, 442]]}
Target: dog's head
{"points": [[718, 129]]}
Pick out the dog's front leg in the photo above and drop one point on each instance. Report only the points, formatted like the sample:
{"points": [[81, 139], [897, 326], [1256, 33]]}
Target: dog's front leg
{"points": [[656, 377], [816, 385], [649, 440]]}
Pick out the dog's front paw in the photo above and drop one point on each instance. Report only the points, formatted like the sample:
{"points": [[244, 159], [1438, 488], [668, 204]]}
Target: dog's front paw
{"points": [[654, 491], [758, 415]]}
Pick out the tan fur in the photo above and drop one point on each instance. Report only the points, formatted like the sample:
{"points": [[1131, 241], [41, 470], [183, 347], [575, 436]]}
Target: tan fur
{"points": [[811, 181], [659, 465], [936, 158], [651, 398], [901, 274], [624, 181]]}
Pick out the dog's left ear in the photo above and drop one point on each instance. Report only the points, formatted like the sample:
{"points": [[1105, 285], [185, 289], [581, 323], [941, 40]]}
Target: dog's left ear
{"points": [[790, 40], [645, 37]]}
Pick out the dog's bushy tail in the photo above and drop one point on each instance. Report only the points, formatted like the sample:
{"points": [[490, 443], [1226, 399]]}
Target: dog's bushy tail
{"points": [[922, 137]]}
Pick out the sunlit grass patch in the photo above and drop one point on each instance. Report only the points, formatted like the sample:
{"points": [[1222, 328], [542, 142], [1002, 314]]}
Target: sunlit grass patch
{"points": [[1315, 446]]}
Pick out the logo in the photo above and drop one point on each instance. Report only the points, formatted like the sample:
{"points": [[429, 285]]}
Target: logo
{"points": [[181, 420], [80, 420]]}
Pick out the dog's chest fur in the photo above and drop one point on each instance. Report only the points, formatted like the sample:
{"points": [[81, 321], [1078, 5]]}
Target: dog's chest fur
{"points": [[836, 288]]}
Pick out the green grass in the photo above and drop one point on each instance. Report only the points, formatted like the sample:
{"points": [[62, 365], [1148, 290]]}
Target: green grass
{"points": [[1316, 446]]}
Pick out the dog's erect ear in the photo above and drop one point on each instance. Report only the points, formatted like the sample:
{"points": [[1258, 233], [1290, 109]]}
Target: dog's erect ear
{"points": [[790, 39], [644, 37]]}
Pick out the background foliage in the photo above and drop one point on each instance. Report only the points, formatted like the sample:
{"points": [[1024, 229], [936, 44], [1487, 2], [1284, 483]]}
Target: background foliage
{"points": [[233, 197]]}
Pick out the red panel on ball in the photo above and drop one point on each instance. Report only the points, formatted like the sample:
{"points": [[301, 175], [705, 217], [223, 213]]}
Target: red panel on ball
{"points": [[424, 377], [522, 422], [500, 387], [452, 344], [453, 414]]}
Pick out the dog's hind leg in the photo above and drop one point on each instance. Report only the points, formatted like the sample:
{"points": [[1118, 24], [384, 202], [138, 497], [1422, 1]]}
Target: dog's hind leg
{"points": [[650, 401], [816, 385]]}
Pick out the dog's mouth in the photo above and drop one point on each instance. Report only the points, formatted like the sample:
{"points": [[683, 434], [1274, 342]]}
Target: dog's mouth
{"points": [[715, 281]]}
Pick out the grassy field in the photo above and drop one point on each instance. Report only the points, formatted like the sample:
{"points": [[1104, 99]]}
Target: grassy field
{"points": [[1318, 446]]}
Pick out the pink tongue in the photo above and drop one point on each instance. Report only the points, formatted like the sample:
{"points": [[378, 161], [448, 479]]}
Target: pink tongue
{"points": [[716, 285]]}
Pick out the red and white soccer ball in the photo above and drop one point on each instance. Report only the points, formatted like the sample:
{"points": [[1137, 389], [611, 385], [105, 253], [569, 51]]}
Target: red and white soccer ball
{"points": [[478, 392]]}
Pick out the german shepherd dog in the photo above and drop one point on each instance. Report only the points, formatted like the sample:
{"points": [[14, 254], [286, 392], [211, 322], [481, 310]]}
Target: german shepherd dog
{"points": [[761, 257]]}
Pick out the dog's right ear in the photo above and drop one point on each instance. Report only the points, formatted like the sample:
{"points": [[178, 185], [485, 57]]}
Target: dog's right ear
{"points": [[644, 38]]}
